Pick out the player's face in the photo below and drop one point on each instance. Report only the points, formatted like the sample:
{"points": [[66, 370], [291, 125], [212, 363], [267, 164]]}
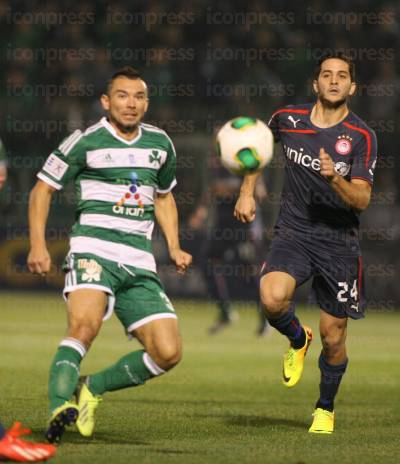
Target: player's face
{"points": [[334, 84], [126, 102]]}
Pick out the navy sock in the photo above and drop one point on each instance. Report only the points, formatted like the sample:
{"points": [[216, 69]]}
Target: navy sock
{"points": [[289, 325], [224, 310], [330, 381], [2, 431]]}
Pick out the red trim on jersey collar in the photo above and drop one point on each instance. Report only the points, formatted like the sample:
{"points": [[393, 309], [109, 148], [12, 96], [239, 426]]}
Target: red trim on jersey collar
{"points": [[299, 131], [290, 110], [367, 135]]}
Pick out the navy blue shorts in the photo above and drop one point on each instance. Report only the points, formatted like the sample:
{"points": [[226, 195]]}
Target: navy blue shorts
{"points": [[337, 286]]}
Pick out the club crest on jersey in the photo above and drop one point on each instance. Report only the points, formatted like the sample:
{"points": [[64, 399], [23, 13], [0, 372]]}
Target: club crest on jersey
{"points": [[155, 157], [343, 145], [342, 168], [92, 269]]}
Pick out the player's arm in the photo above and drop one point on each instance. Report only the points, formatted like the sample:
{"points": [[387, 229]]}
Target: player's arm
{"points": [[3, 173], [39, 260], [62, 165], [167, 217], [245, 208], [252, 185], [356, 193], [3, 165]]}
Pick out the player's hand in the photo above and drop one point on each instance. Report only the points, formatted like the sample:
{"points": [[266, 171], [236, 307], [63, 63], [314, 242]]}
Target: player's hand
{"points": [[3, 175], [327, 166], [181, 259], [245, 209], [39, 261]]}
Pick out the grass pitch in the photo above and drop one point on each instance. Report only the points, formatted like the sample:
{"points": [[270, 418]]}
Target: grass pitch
{"points": [[223, 404]]}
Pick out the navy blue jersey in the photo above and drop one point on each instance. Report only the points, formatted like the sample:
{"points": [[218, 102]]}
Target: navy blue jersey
{"points": [[308, 202]]}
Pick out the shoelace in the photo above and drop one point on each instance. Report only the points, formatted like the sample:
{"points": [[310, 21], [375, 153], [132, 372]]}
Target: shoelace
{"points": [[290, 356], [95, 402]]}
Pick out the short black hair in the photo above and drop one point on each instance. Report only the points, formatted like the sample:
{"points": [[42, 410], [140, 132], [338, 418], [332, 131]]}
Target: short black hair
{"points": [[126, 71], [340, 56]]}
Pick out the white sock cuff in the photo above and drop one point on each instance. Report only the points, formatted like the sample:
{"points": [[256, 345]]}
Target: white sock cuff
{"points": [[75, 345], [151, 365]]}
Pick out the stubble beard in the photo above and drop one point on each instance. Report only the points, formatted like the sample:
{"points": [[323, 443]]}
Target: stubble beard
{"points": [[329, 105], [124, 128]]}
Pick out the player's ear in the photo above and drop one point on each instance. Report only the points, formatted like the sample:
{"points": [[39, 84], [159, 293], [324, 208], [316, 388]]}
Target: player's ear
{"points": [[146, 106], [353, 89], [315, 86], [105, 102]]}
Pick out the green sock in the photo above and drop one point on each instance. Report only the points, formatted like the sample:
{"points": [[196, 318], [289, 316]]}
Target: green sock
{"points": [[129, 371], [64, 376]]}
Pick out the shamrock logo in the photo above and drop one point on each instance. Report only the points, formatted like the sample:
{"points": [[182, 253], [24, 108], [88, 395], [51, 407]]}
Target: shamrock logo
{"points": [[155, 157], [91, 275], [92, 270]]}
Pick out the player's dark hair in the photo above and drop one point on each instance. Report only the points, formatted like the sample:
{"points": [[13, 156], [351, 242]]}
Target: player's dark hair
{"points": [[126, 71], [340, 56]]}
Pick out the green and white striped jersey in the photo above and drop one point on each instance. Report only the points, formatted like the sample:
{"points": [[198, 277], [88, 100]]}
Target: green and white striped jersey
{"points": [[115, 181]]}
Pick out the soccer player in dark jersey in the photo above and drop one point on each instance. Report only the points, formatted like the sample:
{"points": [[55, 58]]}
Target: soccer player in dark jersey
{"points": [[330, 159]]}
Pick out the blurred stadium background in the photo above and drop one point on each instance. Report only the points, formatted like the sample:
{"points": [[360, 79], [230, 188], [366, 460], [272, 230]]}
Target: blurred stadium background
{"points": [[204, 63]]}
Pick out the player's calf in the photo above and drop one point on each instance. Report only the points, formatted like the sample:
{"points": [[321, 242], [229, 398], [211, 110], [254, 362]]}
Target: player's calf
{"points": [[131, 370]]}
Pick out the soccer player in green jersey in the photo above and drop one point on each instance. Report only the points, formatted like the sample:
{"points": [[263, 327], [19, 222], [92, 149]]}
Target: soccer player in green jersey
{"points": [[124, 172]]}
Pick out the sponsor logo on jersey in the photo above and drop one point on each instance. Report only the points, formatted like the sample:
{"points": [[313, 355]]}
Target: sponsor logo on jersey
{"points": [[342, 168], [343, 145], [55, 166], [299, 157], [293, 121], [128, 211]]}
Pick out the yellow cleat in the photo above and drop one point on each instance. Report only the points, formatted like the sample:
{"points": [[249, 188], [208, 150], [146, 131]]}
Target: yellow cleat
{"points": [[293, 361], [62, 417], [87, 404], [323, 421]]}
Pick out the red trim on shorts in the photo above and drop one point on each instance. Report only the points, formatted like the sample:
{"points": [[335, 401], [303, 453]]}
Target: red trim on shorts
{"points": [[367, 135]]}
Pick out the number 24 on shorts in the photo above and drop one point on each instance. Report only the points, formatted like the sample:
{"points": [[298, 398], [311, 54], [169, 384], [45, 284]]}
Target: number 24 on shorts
{"points": [[342, 294]]}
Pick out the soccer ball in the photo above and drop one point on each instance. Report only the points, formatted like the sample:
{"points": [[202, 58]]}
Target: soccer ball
{"points": [[245, 145]]}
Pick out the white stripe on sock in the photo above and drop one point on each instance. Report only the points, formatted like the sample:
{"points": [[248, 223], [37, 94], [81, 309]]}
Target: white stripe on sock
{"points": [[74, 344], [151, 365]]}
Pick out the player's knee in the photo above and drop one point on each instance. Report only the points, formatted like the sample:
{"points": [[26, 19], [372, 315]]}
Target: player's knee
{"points": [[275, 299], [332, 343], [167, 354], [85, 332]]}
